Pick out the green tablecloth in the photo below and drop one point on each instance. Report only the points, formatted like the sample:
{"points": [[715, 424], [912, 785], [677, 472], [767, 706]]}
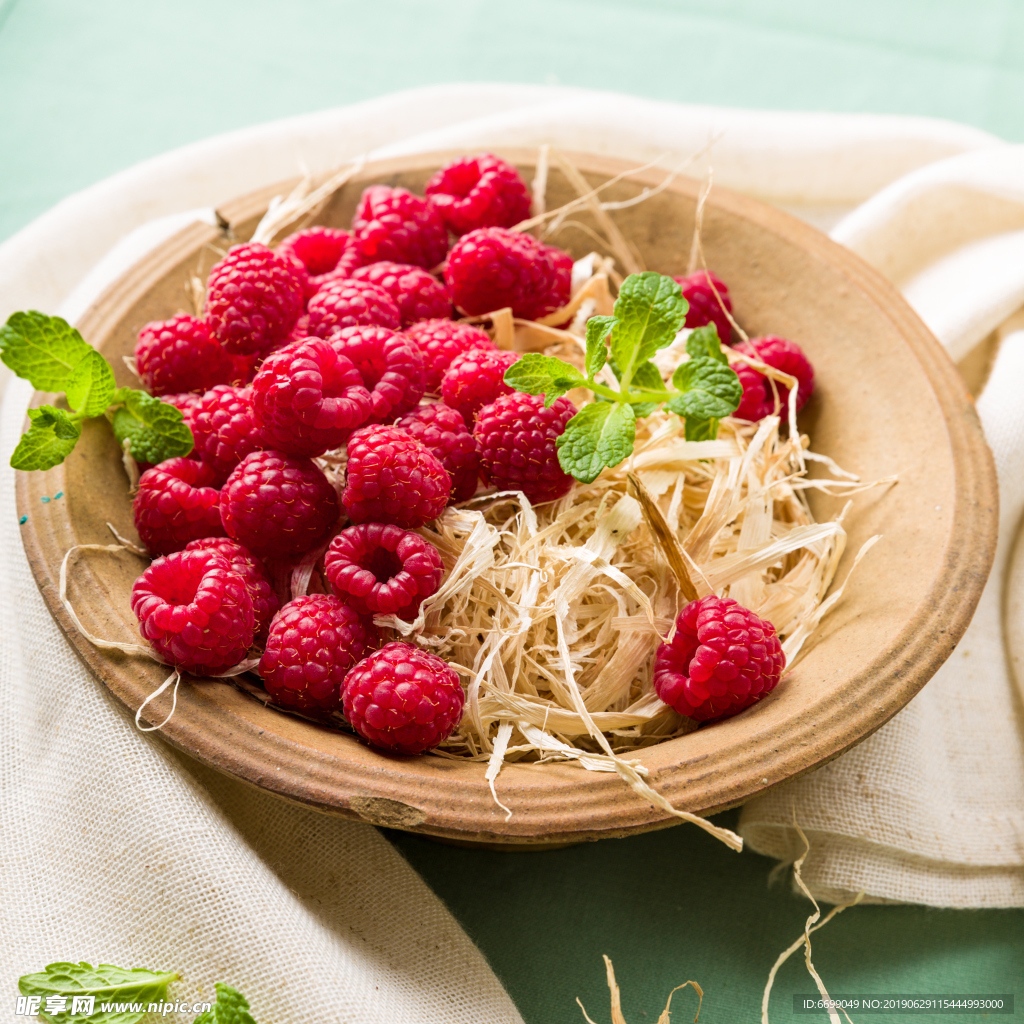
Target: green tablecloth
{"points": [[89, 89]]}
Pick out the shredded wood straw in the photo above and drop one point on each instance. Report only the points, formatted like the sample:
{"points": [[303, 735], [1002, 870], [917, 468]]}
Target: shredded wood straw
{"points": [[616, 998]]}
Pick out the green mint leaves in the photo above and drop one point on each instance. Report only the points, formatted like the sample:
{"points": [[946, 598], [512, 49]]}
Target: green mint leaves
{"points": [[63, 988], [649, 313], [231, 1008], [50, 354]]}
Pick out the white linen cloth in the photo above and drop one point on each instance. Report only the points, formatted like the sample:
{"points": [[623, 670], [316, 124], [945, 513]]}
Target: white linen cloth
{"points": [[119, 849]]}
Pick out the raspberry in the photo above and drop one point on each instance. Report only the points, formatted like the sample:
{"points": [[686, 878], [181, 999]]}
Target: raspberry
{"points": [[418, 295], [224, 429], [403, 699], [278, 504], [307, 398], [180, 354], [444, 432], [393, 224], [253, 298], [195, 610], [324, 252], [381, 569], [254, 575], [475, 379], [314, 641], [722, 659], [176, 502], [704, 306], [491, 268], [390, 365], [516, 436], [479, 192], [758, 400], [439, 342], [346, 303], [393, 478]]}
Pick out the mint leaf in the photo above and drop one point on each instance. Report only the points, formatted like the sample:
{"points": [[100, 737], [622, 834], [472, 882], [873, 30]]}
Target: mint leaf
{"points": [[42, 349], [48, 441], [90, 386], [155, 430], [535, 374], [704, 341], [650, 310], [701, 430], [106, 984], [710, 389], [231, 1008], [601, 434], [648, 377], [598, 328]]}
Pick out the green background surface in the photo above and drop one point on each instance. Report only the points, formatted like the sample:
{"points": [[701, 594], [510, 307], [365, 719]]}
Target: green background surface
{"points": [[88, 89]]}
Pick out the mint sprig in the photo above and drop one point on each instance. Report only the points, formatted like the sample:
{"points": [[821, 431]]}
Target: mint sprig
{"points": [[648, 314], [49, 353], [231, 1008]]}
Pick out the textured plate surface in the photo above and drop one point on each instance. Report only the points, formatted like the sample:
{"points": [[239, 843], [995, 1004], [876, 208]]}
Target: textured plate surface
{"points": [[888, 401]]}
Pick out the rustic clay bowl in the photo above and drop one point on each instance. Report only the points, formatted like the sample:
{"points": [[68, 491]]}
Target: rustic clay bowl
{"points": [[888, 401]]}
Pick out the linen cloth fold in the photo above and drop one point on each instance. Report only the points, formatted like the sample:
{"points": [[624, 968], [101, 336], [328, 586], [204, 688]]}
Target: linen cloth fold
{"points": [[122, 850]]}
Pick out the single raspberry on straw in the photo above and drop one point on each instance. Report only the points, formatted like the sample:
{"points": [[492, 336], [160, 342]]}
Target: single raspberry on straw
{"points": [[439, 342], [517, 439], [418, 294], [403, 699], [479, 192], [324, 252], [722, 659], [176, 502], [443, 431], [382, 569], [308, 397], [278, 504], [196, 611], [313, 643], [390, 365], [475, 379], [224, 429], [253, 298], [491, 268], [393, 478], [253, 572], [758, 400], [345, 302], [705, 308], [394, 224], [180, 354]]}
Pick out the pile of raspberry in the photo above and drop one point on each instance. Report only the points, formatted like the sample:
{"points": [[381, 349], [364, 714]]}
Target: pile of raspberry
{"points": [[339, 402]]}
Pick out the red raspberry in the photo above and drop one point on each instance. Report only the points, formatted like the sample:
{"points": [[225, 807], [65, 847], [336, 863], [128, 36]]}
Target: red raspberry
{"points": [[314, 641], [307, 398], [479, 192], [390, 365], [278, 504], [722, 659], [516, 436], [704, 306], [393, 478], [346, 303], [403, 699], [393, 224], [253, 298], [176, 502], [758, 400], [444, 432], [381, 569], [439, 342], [180, 354], [195, 610], [475, 379], [491, 268], [418, 295], [324, 252], [253, 573], [224, 429]]}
